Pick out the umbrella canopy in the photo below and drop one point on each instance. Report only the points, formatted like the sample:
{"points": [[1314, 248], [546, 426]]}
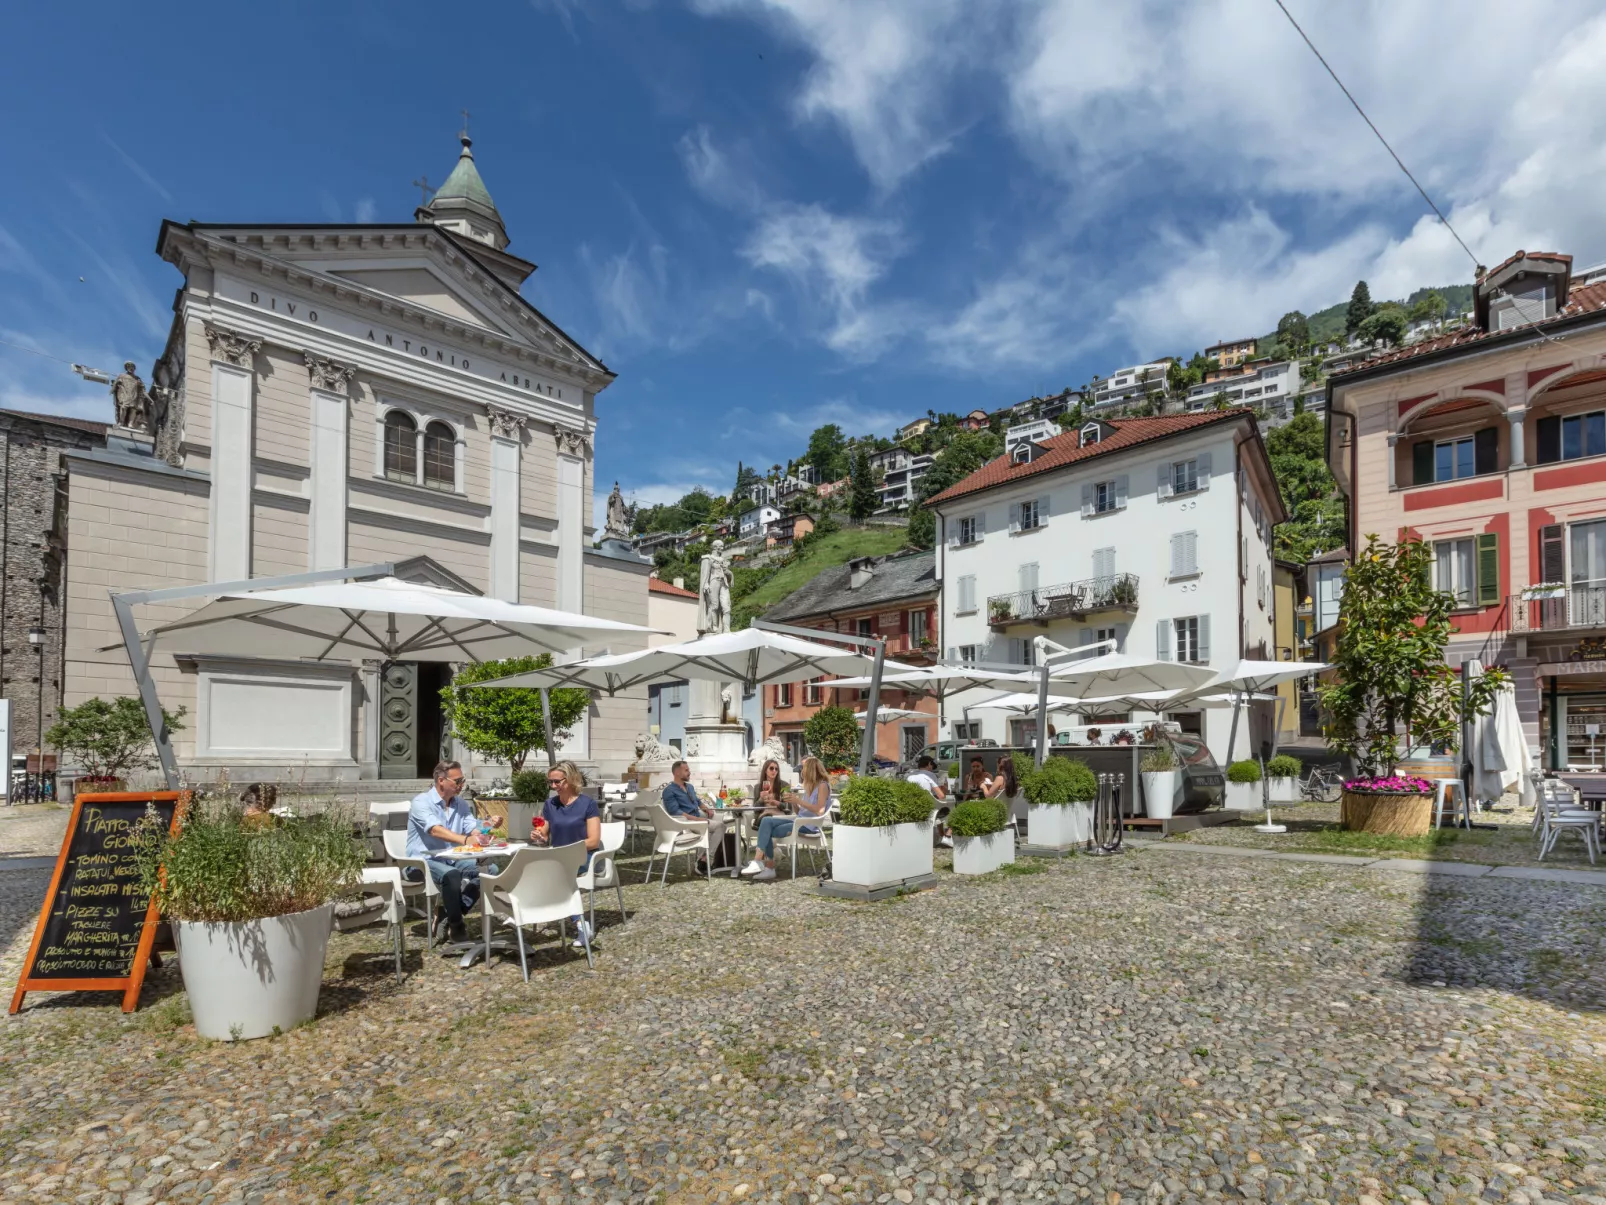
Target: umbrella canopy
{"points": [[942, 681], [1122, 674], [1259, 676], [753, 657], [886, 715], [1025, 702], [389, 618]]}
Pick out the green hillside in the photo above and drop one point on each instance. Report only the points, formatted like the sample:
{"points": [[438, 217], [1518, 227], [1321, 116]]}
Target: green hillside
{"points": [[1327, 325], [824, 553]]}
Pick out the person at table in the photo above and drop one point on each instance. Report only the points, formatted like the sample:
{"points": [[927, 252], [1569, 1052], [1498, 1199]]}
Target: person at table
{"points": [[1006, 787], [815, 799], [256, 805], [925, 775], [771, 791], [572, 818], [680, 799], [437, 820], [976, 782]]}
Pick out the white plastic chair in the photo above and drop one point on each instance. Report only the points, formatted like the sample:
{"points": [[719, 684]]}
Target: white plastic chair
{"points": [[673, 835], [538, 887], [603, 872], [395, 912], [637, 812], [1558, 819], [396, 850], [818, 839]]}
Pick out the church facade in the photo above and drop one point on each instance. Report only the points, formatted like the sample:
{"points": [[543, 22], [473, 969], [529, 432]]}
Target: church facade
{"points": [[336, 395]]}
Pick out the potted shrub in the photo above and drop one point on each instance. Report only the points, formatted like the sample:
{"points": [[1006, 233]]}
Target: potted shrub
{"points": [[252, 903], [983, 840], [953, 776], [882, 836], [1059, 797], [1158, 770], [1282, 773], [106, 740], [832, 735], [1392, 685], [1243, 786]]}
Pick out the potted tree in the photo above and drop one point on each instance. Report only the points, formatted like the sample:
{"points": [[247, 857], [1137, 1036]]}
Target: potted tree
{"points": [[882, 837], [1282, 772], [832, 735], [1059, 797], [1243, 785], [106, 740], [983, 840], [1159, 773], [251, 900], [1392, 684]]}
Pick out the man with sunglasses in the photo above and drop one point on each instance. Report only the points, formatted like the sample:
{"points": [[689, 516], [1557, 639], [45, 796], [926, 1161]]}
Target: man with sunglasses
{"points": [[439, 819]]}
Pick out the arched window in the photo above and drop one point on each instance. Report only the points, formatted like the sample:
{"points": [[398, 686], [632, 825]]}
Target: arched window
{"points": [[401, 446], [440, 456]]}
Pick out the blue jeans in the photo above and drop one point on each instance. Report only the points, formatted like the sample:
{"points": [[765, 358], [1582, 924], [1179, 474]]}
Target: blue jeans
{"points": [[459, 884], [769, 828]]}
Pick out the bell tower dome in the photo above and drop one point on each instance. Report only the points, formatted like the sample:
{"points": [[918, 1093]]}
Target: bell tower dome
{"points": [[463, 206]]}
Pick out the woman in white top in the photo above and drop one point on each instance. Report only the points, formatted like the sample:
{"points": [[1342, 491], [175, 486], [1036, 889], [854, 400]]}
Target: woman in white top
{"points": [[815, 799]]}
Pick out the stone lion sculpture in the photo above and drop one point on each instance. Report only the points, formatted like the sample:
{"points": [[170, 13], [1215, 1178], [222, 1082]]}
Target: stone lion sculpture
{"points": [[772, 747], [650, 751]]}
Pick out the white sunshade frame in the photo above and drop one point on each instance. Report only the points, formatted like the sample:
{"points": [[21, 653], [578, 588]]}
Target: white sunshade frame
{"points": [[943, 681], [1253, 676]]}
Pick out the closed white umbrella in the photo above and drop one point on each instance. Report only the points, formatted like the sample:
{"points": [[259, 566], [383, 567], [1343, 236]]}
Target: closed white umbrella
{"points": [[1500, 755]]}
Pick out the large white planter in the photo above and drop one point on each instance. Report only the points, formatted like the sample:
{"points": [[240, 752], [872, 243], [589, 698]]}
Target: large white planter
{"points": [[1059, 825], [246, 979], [1284, 790], [1159, 792], [980, 855], [1245, 797], [878, 857]]}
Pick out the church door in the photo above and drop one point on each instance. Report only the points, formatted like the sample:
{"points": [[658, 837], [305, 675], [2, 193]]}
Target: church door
{"points": [[398, 720]]}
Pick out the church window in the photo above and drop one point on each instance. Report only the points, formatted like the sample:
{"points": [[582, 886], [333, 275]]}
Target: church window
{"points": [[440, 456], [401, 446]]}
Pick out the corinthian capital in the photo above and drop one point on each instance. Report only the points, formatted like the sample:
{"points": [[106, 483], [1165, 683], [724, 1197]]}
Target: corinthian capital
{"points": [[231, 347], [505, 424], [570, 441], [326, 374]]}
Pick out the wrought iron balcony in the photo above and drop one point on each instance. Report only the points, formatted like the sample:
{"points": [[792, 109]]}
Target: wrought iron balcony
{"points": [[1072, 600], [1558, 608]]}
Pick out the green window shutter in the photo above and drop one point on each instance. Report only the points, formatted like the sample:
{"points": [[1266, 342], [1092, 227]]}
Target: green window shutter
{"points": [[1488, 569], [1422, 462]]}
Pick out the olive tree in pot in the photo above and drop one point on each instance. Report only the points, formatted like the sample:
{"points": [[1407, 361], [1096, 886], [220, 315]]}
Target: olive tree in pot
{"points": [[107, 739], [983, 840], [883, 834], [1282, 775], [1059, 796], [1159, 772], [1243, 786], [251, 901]]}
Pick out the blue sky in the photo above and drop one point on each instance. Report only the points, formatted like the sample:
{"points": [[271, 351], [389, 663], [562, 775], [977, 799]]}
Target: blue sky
{"points": [[767, 214]]}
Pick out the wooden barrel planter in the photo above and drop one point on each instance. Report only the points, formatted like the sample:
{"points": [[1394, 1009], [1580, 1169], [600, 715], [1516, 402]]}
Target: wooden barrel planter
{"points": [[1394, 814]]}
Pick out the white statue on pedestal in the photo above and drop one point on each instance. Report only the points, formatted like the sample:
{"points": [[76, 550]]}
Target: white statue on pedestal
{"points": [[714, 592]]}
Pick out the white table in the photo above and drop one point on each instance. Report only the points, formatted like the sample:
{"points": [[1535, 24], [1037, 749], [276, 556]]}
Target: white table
{"points": [[480, 949]]}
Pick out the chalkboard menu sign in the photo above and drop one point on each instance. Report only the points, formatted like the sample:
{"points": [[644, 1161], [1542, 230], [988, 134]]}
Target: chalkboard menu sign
{"points": [[96, 927]]}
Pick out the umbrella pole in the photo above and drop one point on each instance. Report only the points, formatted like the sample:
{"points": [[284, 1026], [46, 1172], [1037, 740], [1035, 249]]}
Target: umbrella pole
{"points": [[546, 726], [872, 710], [1042, 713], [140, 664]]}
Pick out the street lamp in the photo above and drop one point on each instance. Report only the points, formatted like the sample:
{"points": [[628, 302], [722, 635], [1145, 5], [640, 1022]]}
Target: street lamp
{"points": [[36, 637]]}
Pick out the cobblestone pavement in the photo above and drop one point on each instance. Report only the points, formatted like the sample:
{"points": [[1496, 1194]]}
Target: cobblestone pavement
{"points": [[32, 830], [1148, 1028]]}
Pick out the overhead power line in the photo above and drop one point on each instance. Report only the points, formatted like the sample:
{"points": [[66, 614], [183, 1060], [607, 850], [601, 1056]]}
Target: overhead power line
{"points": [[1351, 97]]}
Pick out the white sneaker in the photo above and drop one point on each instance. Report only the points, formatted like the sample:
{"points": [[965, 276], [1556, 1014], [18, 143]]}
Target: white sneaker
{"points": [[753, 867], [948, 842], [765, 875], [582, 935]]}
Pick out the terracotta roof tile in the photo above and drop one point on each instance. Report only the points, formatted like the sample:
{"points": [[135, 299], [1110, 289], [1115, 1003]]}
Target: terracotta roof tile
{"points": [[658, 586], [1067, 449], [1586, 300], [78, 424]]}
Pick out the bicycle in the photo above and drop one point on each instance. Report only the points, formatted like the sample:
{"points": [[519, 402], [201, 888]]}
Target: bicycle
{"points": [[1323, 784]]}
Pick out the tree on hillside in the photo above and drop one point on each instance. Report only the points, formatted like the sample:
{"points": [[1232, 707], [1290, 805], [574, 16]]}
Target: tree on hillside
{"points": [[862, 498], [746, 475], [965, 453], [1384, 326], [1429, 308], [828, 453], [1293, 331], [1360, 308], [1316, 512]]}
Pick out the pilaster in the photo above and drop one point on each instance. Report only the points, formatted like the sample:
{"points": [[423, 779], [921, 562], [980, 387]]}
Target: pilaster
{"points": [[233, 428], [572, 449], [507, 430], [328, 383]]}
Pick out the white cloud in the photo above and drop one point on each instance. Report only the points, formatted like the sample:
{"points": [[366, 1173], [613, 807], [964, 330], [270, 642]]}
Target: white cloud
{"points": [[365, 211], [139, 172]]}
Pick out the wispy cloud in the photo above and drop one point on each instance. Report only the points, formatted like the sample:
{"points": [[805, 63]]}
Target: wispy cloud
{"points": [[126, 285], [365, 211], [139, 171]]}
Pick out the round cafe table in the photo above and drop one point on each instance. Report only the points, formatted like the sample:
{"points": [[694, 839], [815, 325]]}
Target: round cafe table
{"points": [[471, 950]]}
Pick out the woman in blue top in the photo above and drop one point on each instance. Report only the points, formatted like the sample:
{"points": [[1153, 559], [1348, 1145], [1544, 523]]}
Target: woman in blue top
{"points": [[572, 818], [815, 799]]}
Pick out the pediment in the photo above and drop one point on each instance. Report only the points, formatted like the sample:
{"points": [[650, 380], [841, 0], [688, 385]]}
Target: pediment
{"points": [[420, 285], [429, 572]]}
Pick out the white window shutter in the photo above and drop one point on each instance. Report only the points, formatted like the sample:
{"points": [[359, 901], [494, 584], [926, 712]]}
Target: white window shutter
{"points": [[1043, 510], [1087, 501], [1162, 640], [1190, 544], [1014, 517], [1103, 562], [1204, 470], [1204, 638], [1120, 491], [953, 653], [1028, 577], [1163, 489], [1176, 555], [1085, 636]]}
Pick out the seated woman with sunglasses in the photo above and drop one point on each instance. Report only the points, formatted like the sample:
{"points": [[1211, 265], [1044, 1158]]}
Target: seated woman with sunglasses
{"points": [[570, 817], [815, 799]]}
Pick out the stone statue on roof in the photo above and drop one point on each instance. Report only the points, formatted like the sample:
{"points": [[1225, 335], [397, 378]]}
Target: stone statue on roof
{"points": [[133, 403], [617, 526]]}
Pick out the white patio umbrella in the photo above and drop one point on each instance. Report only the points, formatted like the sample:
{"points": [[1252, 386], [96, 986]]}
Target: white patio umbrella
{"points": [[325, 615], [1500, 761], [888, 715], [941, 681], [1112, 674], [1254, 677]]}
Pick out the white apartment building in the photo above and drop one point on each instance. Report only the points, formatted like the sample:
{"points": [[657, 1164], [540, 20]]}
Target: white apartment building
{"points": [[1152, 532], [1131, 384], [1020, 441], [754, 520], [1272, 385], [901, 472]]}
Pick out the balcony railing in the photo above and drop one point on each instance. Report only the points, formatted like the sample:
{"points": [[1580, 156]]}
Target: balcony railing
{"points": [[1072, 600], [1571, 607]]}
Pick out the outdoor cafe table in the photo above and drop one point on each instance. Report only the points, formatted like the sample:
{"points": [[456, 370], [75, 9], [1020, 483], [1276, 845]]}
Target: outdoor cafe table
{"points": [[477, 949]]}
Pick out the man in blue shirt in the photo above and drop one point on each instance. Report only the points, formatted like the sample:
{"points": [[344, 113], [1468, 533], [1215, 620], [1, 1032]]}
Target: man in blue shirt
{"points": [[680, 799], [439, 819]]}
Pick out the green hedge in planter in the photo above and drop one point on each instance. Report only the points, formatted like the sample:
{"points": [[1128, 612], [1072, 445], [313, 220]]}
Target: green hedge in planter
{"points": [[869, 802], [1059, 780], [1244, 771], [978, 817], [1283, 766], [530, 786]]}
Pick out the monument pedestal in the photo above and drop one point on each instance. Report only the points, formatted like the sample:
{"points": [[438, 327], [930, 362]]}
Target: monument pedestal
{"points": [[716, 751]]}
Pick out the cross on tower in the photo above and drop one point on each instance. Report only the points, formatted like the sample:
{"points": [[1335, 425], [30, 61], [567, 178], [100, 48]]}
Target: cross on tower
{"points": [[422, 184], [464, 112]]}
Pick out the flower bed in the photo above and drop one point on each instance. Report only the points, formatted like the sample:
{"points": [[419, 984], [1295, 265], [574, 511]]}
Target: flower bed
{"points": [[1398, 804]]}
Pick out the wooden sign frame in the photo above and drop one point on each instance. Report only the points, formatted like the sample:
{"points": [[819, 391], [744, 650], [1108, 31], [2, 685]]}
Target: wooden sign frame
{"points": [[130, 984]]}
